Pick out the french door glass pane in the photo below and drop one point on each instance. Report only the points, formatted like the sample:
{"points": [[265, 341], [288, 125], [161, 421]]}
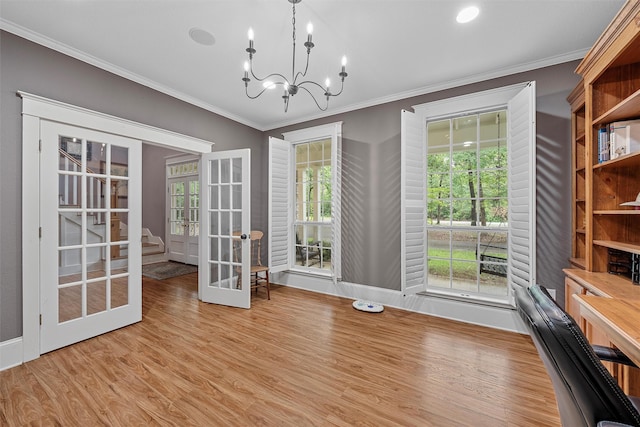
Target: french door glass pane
{"points": [[96, 297], [70, 190], [69, 303], [96, 157], [119, 292]]}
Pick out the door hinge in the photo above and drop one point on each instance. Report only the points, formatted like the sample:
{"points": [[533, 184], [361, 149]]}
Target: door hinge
{"points": [[41, 319], [40, 145], [40, 232]]}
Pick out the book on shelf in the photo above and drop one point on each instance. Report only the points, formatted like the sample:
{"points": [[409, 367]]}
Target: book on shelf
{"points": [[624, 138], [603, 144], [617, 139]]}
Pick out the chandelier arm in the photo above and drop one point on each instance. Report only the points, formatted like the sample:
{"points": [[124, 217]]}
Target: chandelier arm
{"points": [[269, 76], [341, 89], [302, 74], [246, 90], [313, 97], [312, 83]]}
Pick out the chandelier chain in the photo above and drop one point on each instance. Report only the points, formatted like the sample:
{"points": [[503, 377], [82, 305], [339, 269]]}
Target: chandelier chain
{"points": [[293, 22]]}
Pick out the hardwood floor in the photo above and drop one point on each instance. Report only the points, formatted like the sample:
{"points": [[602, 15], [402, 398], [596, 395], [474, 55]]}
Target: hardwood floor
{"points": [[301, 359]]}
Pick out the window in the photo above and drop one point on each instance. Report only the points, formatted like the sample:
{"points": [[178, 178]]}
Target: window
{"points": [[304, 201], [468, 195], [467, 203], [313, 216]]}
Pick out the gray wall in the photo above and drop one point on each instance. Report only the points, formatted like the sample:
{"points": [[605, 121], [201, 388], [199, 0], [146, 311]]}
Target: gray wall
{"points": [[32, 68], [371, 184], [371, 155]]}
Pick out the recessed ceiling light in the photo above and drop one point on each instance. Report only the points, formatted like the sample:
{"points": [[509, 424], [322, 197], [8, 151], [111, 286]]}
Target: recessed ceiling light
{"points": [[467, 14], [202, 37]]}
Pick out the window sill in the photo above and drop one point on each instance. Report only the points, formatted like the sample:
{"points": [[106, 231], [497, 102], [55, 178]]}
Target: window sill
{"points": [[466, 298], [310, 272]]}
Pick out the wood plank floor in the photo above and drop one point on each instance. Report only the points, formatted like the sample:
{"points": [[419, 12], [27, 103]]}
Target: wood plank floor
{"points": [[301, 359]]}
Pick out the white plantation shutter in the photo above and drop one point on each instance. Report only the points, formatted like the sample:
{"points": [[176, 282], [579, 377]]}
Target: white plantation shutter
{"points": [[413, 206], [279, 204], [336, 202], [522, 187]]}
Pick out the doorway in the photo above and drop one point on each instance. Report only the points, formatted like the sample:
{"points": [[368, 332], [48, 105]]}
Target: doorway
{"points": [[42, 238], [183, 210]]}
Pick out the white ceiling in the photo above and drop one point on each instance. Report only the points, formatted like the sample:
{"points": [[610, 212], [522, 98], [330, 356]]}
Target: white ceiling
{"points": [[395, 48]]}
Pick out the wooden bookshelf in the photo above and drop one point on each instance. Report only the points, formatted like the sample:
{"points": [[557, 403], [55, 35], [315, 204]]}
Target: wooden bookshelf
{"points": [[609, 92], [578, 162]]}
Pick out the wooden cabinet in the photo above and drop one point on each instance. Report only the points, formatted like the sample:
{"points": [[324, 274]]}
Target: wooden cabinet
{"points": [[571, 287], [609, 92]]}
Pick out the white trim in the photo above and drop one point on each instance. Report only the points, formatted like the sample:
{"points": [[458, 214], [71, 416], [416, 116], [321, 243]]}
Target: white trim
{"points": [[30, 237], [82, 56], [307, 135], [114, 69], [34, 108], [175, 159], [507, 71], [313, 133], [43, 108], [502, 318], [484, 100], [10, 353]]}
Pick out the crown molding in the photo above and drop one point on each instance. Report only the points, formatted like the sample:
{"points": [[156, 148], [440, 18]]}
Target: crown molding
{"points": [[82, 56], [502, 72], [40, 39]]}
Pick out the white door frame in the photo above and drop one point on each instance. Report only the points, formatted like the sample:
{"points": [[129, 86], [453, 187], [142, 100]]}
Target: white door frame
{"points": [[34, 109], [189, 241]]}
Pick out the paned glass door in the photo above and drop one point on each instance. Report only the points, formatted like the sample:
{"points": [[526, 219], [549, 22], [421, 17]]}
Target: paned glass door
{"points": [[183, 213], [91, 234], [225, 225]]}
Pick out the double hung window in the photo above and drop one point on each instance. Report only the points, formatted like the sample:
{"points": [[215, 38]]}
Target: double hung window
{"points": [[468, 195], [467, 203], [304, 201], [313, 217]]}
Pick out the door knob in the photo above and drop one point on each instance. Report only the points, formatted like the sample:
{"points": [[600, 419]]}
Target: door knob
{"points": [[243, 236]]}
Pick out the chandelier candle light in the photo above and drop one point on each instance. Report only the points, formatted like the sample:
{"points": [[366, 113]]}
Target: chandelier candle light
{"points": [[291, 87]]}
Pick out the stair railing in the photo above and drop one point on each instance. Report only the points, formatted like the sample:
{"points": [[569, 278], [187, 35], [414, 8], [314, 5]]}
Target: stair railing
{"points": [[96, 191]]}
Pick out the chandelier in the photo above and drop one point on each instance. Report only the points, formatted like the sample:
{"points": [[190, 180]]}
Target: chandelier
{"points": [[297, 82]]}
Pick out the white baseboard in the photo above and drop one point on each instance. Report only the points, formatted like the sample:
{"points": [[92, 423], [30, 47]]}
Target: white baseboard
{"points": [[10, 353], [496, 317]]}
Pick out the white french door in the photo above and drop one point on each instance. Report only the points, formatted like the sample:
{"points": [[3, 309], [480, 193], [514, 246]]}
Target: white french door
{"points": [[90, 210], [225, 215], [183, 229]]}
